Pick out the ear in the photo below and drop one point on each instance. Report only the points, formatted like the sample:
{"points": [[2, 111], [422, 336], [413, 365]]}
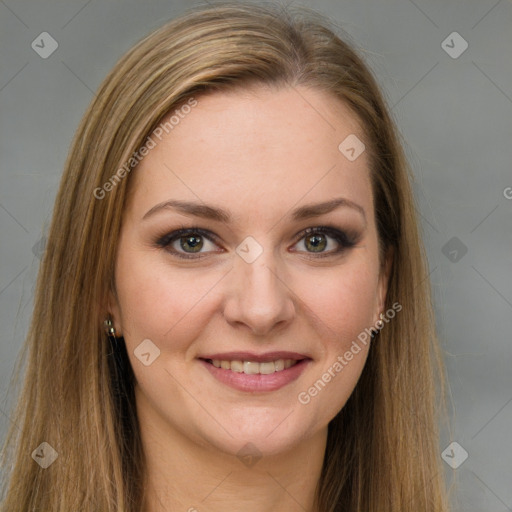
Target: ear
{"points": [[382, 287]]}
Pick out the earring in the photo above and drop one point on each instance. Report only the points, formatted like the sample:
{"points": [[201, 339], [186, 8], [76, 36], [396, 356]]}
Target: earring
{"points": [[110, 330], [375, 332]]}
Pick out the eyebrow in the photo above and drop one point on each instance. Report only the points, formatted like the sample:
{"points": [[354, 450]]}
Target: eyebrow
{"points": [[218, 214]]}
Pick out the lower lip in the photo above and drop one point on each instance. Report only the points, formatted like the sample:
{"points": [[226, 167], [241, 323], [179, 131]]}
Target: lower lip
{"points": [[257, 382]]}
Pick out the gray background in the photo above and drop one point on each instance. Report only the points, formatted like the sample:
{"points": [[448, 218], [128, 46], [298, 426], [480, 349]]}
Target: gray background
{"points": [[455, 115]]}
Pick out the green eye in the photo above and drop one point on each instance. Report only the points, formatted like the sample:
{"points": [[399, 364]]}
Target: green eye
{"points": [[192, 241], [316, 240]]}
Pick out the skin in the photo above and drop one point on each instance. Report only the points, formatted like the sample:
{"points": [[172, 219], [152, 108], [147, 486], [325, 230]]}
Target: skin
{"points": [[258, 153]]}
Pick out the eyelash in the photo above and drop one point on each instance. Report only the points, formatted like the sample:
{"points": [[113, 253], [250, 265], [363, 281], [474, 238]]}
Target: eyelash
{"points": [[343, 239]]}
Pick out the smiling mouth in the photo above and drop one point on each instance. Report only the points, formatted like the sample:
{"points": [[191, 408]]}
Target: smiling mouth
{"points": [[253, 367]]}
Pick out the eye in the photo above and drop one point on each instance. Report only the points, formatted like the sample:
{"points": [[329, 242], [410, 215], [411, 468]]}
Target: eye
{"points": [[188, 243], [316, 241], [189, 240]]}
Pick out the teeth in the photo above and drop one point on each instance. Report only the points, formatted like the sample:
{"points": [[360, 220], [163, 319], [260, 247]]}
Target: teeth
{"points": [[236, 366], [279, 365], [253, 368], [266, 368]]}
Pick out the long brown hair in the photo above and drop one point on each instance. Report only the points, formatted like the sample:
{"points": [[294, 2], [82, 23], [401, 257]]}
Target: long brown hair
{"points": [[77, 395]]}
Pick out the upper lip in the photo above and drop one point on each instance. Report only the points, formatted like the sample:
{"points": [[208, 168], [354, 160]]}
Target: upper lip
{"points": [[258, 358]]}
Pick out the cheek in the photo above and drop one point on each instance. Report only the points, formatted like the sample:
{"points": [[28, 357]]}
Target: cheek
{"points": [[163, 303], [158, 302], [342, 299], [342, 303]]}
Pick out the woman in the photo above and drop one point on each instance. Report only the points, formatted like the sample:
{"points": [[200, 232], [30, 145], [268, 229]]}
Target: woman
{"points": [[233, 309]]}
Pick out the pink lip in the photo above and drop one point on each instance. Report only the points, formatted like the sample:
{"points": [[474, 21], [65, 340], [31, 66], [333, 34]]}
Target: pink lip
{"points": [[258, 382], [257, 358]]}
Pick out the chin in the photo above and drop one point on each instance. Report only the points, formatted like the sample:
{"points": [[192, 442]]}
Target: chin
{"points": [[261, 440]]}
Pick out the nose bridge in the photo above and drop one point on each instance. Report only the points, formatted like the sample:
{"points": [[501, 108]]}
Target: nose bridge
{"points": [[261, 279], [259, 299]]}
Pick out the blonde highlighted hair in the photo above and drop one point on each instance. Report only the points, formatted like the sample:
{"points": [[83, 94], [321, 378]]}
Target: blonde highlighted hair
{"points": [[382, 451]]}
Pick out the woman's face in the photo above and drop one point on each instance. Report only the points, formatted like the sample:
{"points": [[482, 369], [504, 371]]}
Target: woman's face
{"points": [[247, 286]]}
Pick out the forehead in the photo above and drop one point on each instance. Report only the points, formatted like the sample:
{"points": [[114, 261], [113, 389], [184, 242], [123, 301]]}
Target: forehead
{"points": [[256, 149]]}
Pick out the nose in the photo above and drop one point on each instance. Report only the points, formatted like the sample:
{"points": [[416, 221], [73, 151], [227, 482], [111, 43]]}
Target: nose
{"points": [[259, 297]]}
